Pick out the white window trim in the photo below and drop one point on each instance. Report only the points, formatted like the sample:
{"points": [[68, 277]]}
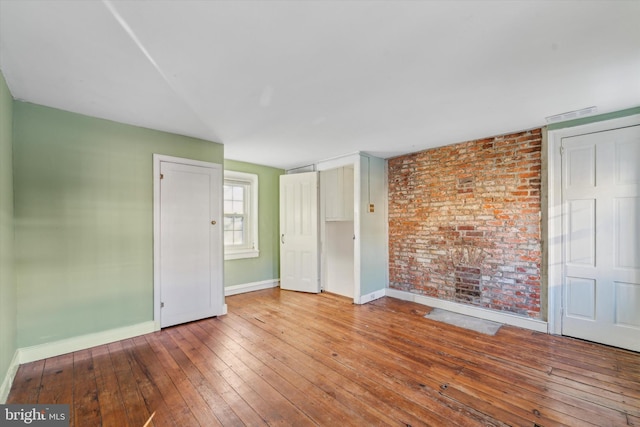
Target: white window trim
{"points": [[252, 180]]}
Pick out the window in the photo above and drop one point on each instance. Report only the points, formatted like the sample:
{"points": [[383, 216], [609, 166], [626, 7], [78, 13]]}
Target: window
{"points": [[240, 215]]}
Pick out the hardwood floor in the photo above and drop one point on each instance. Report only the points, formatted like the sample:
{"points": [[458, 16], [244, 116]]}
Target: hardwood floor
{"points": [[285, 358]]}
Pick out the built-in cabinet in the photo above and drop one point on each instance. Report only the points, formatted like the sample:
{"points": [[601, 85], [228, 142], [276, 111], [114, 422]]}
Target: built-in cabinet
{"points": [[337, 230], [337, 189], [351, 237]]}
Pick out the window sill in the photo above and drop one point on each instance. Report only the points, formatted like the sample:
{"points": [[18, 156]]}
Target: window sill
{"points": [[241, 254]]}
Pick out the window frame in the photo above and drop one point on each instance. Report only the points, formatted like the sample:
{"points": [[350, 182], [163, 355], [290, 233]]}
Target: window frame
{"points": [[251, 249]]}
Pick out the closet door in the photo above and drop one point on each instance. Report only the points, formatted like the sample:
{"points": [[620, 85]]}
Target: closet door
{"points": [[601, 200], [189, 259]]}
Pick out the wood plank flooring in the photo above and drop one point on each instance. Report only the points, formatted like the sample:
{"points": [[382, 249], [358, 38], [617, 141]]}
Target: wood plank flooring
{"points": [[285, 358]]}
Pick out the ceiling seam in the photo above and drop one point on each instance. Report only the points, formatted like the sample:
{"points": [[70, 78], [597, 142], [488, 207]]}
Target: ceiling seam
{"points": [[127, 28]]}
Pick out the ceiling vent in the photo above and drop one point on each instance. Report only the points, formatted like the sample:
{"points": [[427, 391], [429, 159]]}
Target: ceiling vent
{"points": [[572, 115]]}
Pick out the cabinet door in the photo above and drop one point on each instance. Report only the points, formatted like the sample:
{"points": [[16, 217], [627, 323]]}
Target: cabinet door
{"points": [[338, 192], [347, 194], [332, 198]]}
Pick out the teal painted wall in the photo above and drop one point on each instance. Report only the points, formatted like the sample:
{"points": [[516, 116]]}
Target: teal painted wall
{"points": [[593, 119], [8, 319], [374, 263], [84, 220], [267, 265]]}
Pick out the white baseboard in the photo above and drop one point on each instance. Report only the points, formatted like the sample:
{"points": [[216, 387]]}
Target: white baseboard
{"points": [[403, 295], [56, 348], [5, 388], [250, 287], [469, 310], [371, 296]]}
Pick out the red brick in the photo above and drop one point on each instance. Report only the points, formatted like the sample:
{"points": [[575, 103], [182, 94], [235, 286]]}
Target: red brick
{"points": [[470, 205]]}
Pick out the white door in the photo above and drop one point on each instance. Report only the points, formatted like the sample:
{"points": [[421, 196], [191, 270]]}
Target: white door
{"points": [[191, 256], [601, 225], [299, 232]]}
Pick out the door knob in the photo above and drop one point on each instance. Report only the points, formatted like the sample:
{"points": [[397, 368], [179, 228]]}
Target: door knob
{"points": [[213, 222]]}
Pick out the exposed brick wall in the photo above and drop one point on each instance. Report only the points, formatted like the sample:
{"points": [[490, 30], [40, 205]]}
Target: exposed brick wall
{"points": [[464, 223]]}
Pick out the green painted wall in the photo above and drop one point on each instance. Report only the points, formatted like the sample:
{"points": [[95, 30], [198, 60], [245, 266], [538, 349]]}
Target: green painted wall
{"points": [[267, 265], [593, 119], [8, 319], [84, 220]]}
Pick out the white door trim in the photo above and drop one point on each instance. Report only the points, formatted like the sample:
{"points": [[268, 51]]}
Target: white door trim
{"points": [[157, 159], [555, 238]]}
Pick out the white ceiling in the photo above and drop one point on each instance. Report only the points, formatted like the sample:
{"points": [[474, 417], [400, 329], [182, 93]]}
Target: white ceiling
{"points": [[288, 83]]}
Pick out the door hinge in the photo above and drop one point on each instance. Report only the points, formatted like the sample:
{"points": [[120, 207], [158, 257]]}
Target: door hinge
{"points": [[161, 305], [561, 150], [161, 176]]}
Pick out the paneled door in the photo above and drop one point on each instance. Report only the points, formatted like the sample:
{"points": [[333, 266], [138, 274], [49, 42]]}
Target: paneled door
{"points": [[601, 229], [299, 232], [190, 242]]}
